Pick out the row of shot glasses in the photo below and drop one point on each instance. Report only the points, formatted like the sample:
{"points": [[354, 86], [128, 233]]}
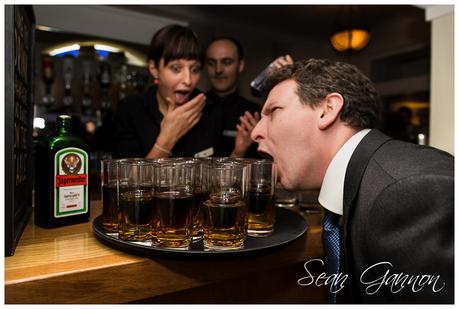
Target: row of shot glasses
{"points": [[173, 202]]}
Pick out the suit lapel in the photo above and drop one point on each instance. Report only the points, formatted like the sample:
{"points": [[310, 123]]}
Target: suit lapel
{"points": [[354, 173], [358, 164]]}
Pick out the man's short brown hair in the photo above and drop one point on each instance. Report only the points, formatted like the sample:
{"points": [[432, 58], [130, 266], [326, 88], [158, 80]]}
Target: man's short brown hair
{"points": [[316, 78]]}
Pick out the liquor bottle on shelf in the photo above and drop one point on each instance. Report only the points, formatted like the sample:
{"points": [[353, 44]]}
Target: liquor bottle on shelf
{"points": [[47, 75], [138, 82], [61, 178], [123, 78], [134, 81], [105, 80], [68, 76], [86, 102]]}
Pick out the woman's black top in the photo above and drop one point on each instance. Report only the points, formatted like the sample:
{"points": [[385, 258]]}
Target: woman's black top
{"points": [[137, 125]]}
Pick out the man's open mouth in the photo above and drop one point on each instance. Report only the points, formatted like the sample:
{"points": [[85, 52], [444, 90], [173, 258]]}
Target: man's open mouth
{"points": [[264, 154]]}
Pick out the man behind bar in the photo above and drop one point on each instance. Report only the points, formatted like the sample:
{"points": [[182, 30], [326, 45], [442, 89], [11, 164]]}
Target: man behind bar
{"points": [[225, 63], [393, 200]]}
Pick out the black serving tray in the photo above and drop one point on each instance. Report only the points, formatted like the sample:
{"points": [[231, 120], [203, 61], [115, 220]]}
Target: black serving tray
{"points": [[289, 226]]}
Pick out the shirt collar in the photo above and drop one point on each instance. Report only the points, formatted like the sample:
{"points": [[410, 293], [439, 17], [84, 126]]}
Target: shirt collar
{"points": [[332, 190]]}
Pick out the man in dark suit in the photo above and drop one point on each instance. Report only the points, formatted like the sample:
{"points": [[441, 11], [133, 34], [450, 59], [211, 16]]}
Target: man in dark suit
{"points": [[388, 222]]}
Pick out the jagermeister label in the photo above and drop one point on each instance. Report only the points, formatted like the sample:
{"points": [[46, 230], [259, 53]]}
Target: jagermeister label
{"points": [[70, 182]]}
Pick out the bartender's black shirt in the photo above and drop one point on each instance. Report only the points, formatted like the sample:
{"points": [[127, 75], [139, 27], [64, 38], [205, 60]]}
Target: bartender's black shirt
{"points": [[137, 126], [232, 107]]}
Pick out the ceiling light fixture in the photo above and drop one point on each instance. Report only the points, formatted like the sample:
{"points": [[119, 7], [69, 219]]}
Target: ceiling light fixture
{"points": [[351, 39], [105, 47], [133, 57], [64, 49], [351, 29]]}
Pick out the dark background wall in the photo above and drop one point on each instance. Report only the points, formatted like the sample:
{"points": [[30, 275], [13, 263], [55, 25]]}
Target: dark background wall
{"points": [[397, 57], [268, 31]]}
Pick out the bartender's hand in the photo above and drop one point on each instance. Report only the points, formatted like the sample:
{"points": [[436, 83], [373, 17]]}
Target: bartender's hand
{"points": [[282, 61], [179, 120], [244, 129]]}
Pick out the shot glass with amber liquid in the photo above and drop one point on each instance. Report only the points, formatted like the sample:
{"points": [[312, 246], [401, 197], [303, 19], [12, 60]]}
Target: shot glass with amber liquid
{"points": [[109, 188], [262, 208], [225, 211], [200, 195], [174, 204], [136, 199]]}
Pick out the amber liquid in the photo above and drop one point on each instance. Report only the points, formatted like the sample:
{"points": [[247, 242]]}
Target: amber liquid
{"points": [[225, 217], [110, 207], [198, 219], [262, 212], [136, 214], [174, 219]]}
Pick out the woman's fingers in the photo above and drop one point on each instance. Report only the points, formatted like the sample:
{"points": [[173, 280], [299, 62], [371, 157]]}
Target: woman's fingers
{"points": [[196, 103]]}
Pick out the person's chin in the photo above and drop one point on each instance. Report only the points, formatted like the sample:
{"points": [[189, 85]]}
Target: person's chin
{"points": [[286, 186], [286, 182], [220, 87], [220, 84]]}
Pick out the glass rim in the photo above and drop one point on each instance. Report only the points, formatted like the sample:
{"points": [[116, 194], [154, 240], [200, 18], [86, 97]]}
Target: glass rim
{"points": [[212, 160], [177, 160], [227, 166], [135, 162], [263, 161]]}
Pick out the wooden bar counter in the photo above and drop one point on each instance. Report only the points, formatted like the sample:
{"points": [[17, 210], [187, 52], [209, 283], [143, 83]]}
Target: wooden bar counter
{"points": [[69, 265]]}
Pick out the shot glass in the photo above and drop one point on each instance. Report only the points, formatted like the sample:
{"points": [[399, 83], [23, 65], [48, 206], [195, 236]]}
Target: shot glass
{"points": [[262, 209], [175, 184], [199, 195], [284, 198], [308, 201], [136, 199], [225, 212], [109, 189]]}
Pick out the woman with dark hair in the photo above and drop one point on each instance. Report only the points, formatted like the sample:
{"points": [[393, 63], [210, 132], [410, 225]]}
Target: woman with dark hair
{"points": [[172, 117]]}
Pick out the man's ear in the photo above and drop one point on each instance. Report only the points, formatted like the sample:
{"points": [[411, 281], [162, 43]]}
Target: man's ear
{"points": [[330, 110], [241, 66], [152, 68]]}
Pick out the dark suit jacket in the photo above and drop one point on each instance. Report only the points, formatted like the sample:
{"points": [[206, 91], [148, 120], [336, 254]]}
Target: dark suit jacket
{"points": [[398, 208]]}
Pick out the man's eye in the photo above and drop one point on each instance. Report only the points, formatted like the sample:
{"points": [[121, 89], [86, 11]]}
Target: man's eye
{"points": [[227, 61]]}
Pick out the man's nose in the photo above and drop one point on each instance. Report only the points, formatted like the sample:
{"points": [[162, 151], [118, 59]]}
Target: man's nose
{"points": [[257, 132], [218, 68]]}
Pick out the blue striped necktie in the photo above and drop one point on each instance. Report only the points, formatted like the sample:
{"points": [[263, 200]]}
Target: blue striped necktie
{"points": [[331, 243]]}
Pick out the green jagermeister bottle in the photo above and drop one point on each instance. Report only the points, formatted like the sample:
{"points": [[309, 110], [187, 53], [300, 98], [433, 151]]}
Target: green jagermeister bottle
{"points": [[61, 178]]}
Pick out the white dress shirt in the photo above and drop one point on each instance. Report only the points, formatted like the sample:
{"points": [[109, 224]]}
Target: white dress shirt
{"points": [[332, 190]]}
